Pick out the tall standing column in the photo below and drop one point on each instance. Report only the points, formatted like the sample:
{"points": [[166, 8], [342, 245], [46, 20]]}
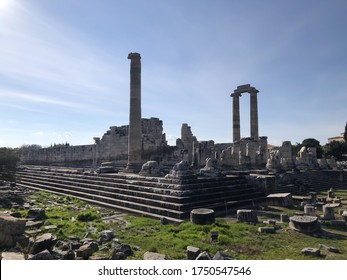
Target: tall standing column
{"points": [[254, 114], [135, 122], [236, 116]]}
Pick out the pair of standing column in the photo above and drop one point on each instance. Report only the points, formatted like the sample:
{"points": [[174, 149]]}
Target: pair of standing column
{"points": [[236, 113]]}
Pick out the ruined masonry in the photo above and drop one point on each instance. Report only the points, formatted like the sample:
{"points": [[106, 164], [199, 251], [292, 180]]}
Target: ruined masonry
{"points": [[135, 131], [154, 179]]}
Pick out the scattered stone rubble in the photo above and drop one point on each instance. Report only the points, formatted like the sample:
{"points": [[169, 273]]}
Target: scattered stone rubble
{"points": [[17, 245], [247, 216], [202, 216], [151, 169], [305, 224], [11, 229]]}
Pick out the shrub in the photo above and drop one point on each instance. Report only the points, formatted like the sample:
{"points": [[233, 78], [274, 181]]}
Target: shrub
{"points": [[88, 216]]}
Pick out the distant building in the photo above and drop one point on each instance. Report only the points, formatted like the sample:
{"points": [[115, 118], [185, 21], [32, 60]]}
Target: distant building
{"points": [[337, 138]]}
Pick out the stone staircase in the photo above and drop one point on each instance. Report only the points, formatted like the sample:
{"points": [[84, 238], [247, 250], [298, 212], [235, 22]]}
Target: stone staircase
{"points": [[312, 181], [145, 196]]}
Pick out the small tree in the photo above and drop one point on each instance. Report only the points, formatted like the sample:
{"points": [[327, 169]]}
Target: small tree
{"points": [[335, 149], [345, 134], [313, 143], [8, 163]]}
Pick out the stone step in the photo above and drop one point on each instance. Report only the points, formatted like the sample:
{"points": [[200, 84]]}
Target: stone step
{"points": [[168, 195], [123, 187], [116, 202], [172, 202], [89, 189], [113, 206], [153, 182], [155, 196], [157, 212], [312, 180]]}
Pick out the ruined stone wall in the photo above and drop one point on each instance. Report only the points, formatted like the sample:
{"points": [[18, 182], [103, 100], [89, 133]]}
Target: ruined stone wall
{"points": [[60, 155], [203, 151], [247, 153], [153, 139], [113, 146], [188, 141]]}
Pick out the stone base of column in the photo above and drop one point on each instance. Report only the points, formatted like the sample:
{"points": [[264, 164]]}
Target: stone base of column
{"points": [[133, 168]]}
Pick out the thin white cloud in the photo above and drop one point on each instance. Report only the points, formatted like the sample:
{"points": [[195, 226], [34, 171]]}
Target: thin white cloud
{"points": [[21, 96], [28, 101], [47, 55], [39, 133], [192, 60]]}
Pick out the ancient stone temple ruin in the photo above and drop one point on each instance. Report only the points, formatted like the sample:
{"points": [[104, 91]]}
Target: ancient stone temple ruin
{"points": [[236, 111], [155, 179], [245, 153]]}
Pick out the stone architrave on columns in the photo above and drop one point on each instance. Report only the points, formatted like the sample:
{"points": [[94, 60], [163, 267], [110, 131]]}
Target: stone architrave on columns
{"points": [[253, 111], [135, 122]]}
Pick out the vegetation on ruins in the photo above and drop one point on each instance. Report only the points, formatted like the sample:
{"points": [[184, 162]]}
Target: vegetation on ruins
{"points": [[76, 219], [8, 163], [308, 143], [335, 149]]}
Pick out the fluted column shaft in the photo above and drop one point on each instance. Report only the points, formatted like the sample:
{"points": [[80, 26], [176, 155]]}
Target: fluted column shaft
{"points": [[254, 114], [135, 122], [236, 117]]}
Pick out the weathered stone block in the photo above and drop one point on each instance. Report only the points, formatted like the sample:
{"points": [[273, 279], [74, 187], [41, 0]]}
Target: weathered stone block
{"points": [[305, 224], [221, 256], [333, 250], [202, 216], [10, 228], [280, 199], [314, 252], [153, 256], [150, 169], [344, 215], [44, 255], [6, 240], [84, 252], [247, 216], [68, 255], [43, 242], [338, 223], [204, 256], [309, 210], [192, 252], [266, 230], [36, 214], [328, 212], [11, 225], [269, 222], [284, 218], [106, 235], [121, 252], [12, 256]]}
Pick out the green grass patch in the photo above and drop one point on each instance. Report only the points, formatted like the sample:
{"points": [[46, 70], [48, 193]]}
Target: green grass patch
{"points": [[88, 216], [74, 218]]}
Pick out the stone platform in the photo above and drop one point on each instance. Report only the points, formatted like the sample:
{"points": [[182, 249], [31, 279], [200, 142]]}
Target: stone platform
{"points": [[155, 197]]}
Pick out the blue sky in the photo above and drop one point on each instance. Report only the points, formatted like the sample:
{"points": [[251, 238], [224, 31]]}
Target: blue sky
{"points": [[64, 72]]}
